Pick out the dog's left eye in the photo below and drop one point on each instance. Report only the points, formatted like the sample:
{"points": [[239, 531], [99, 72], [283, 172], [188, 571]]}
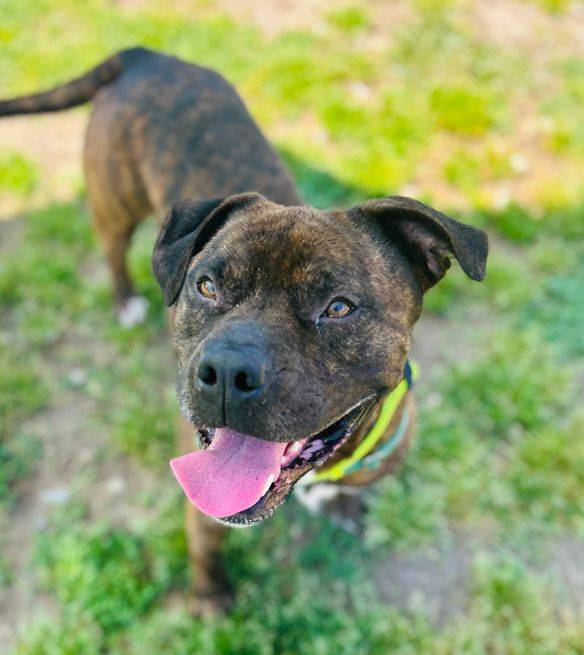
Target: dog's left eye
{"points": [[206, 288], [338, 308]]}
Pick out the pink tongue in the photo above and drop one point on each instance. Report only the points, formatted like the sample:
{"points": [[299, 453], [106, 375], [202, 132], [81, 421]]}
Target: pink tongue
{"points": [[231, 474]]}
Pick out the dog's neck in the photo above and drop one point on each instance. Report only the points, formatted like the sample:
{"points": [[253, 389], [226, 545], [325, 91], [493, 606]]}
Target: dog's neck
{"points": [[380, 440]]}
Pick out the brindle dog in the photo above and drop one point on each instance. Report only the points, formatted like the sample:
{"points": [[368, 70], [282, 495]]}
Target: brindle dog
{"points": [[291, 324]]}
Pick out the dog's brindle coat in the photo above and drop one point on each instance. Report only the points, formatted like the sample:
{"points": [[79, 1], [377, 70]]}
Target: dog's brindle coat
{"points": [[164, 136]]}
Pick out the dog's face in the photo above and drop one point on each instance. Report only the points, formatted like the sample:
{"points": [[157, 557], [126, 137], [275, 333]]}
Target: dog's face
{"points": [[290, 324]]}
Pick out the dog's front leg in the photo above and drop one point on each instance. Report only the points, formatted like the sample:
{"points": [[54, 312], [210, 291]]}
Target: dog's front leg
{"points": [[209, 588]]}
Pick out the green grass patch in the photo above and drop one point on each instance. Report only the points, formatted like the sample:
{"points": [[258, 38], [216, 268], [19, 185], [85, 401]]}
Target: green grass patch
{"points": [[111, 575], [349, 19], [68, 636], [41, 287], [511, 612], [559, 312], [515, 223], [319, 188], [17, 458], [546, 474], [566, 135], [138, 404], [553, 6], [462, 466], [113, 579], [463, 110], [517, 385], [533, 274], [463, 170], [507, 287], [469, 171], [281, 605], [521, 225], [22, 392], [18, 174]]}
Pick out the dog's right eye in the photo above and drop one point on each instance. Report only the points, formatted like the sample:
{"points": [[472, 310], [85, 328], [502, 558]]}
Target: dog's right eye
{"points": [[206, 288], [338, 308]]}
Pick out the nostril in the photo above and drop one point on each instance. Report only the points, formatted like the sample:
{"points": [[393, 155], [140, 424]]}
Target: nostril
{"points": [[207, 375], [244, 382]]}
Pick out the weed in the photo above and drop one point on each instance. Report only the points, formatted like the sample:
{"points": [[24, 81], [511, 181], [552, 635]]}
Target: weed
{"points": [[349, 19], [18, 175]]}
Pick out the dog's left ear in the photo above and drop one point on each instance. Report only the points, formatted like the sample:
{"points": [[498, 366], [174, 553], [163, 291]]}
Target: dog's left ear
{"points": [[427, 237], [185, 231]]}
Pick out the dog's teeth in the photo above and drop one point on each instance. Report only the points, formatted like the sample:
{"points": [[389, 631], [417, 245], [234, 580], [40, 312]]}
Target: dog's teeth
{"points": [[292, 451], [268, 484]]}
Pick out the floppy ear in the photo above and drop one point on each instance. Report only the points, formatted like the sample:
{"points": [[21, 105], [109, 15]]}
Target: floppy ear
{"points": [[427, 237], [185, 231]]}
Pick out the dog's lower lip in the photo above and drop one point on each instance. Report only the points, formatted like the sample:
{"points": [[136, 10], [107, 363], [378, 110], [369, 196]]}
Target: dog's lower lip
{"points": [[305, 455]]}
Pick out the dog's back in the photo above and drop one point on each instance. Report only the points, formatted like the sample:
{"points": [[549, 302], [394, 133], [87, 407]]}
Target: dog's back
{"points": [[181, 128], [185, 131], [161, 130]]}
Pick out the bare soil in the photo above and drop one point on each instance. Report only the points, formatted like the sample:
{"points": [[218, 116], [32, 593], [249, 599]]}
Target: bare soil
{"points": [[54, 143]]}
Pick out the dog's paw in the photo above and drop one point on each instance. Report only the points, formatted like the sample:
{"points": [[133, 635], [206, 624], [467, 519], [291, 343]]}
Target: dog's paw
{"points": [[133, 311], [316, 497], [348, 511]]}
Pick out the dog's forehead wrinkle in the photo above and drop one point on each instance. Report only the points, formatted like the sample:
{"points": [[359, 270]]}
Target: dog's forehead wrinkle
{"points": [[300, 228], [291, 248]]}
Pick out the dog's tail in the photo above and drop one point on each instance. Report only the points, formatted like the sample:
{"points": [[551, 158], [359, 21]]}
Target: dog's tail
{"points": [[74, 93]]}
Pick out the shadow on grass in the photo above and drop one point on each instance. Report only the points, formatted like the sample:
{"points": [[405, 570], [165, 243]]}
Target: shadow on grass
{"points": [[319, 188]]}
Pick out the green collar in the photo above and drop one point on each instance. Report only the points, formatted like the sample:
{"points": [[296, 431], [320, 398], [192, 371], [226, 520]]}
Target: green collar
{"points": [[362, 456]]}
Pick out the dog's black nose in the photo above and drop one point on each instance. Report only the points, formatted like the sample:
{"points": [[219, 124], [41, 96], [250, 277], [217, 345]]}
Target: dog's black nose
{"points": [[234, 375]]}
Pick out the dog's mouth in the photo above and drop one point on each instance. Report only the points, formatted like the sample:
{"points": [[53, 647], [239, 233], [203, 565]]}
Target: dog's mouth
{"points": [[240, 479]]}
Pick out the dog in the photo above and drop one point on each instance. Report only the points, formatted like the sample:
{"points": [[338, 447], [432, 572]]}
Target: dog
{"points": [[291, 324]]}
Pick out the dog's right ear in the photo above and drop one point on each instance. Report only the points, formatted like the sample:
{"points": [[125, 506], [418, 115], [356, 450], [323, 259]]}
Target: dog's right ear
{"points": [[185, 231]]}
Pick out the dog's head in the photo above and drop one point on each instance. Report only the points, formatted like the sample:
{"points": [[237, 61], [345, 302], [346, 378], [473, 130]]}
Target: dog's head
{"points": [[290, 323]]}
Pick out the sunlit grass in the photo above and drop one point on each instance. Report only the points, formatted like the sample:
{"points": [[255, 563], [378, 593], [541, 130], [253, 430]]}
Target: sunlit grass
{"points": [[22, 393], [369, 118], [18, 175], [510, 607]]}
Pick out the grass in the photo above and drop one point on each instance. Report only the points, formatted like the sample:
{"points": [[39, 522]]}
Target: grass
{"points": [[509, 610], [431, 106], [553, 6], [558, 310], [145, 418], [109, 574], [22, 392], [42, 294], [463, 110], [511, 397], [349, 19], [18, 175]]}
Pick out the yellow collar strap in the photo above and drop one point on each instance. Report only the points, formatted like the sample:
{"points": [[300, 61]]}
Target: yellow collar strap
{"points": [[359, 458]]}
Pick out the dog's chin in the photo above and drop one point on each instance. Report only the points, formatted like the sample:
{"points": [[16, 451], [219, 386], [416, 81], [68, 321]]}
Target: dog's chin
{"points": [[314, 452]]}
